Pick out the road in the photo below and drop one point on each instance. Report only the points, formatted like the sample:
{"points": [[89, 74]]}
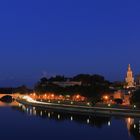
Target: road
{"points": [[82, 109]]}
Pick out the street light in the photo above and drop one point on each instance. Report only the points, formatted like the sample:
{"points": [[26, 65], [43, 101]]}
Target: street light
{"points": [[135, 126], [109, 105], [105, 97], [72, 103], [135, 106]]}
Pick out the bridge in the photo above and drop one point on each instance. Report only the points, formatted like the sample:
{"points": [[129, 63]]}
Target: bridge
{"points": [[14, 96]]}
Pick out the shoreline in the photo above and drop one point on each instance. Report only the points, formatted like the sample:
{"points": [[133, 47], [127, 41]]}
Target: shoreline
{"points": [[83, 110]]}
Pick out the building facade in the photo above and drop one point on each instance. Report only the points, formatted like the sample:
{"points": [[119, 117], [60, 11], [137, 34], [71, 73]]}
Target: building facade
{"points": [[129, 80], [68, 83]]}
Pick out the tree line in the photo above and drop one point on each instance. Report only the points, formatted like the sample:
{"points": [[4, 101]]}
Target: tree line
{"points": [[91, 85]]}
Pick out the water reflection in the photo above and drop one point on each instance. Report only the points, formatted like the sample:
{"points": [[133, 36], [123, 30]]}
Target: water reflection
{"points": [[134, 129], [97, 121], [4, 103], [132, 124]]}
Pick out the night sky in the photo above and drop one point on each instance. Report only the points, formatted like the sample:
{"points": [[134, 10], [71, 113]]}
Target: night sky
{"points": [[49, 37]]}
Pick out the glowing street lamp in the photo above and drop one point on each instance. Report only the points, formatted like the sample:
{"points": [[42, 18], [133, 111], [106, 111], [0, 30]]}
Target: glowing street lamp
{"points": [[135, 106], [106, 97], [109, 105], [52, 95], [135, 126], [71, 103], [77, 96]]}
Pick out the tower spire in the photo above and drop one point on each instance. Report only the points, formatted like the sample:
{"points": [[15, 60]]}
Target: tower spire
{"points": [[129, 67], [129, 78]]}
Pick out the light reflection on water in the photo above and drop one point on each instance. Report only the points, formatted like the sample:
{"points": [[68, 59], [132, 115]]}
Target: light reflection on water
{"points": [[128, 128], [132, 124]]}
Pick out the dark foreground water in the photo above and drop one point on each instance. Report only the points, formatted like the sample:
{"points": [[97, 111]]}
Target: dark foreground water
{"points": [[30, 123]]}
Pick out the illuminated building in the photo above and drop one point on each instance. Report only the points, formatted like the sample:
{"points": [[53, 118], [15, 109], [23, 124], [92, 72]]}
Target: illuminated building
{"points": [[118, 94], [68, 83], [129, 78]]}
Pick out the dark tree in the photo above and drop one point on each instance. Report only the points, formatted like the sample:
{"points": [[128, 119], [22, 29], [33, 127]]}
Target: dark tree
{"points": [[135, 99], [57, 78]]}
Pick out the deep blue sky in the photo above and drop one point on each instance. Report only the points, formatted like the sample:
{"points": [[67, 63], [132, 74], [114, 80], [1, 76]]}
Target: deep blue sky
{"points": [[48, 37]]}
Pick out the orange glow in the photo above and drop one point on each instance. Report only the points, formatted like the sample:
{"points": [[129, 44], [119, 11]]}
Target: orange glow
{"points": [[78, 96], [106, 97], [51, 96], [129, 120]]}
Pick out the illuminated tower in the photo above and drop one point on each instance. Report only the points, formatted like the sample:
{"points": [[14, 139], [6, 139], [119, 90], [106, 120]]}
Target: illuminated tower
{"points": [[129, 78]]}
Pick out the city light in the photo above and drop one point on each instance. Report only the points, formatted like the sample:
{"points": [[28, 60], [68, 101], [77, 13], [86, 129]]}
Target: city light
{"points": [[109, 123], [109, 105], [53, 97], [135, 106], [106, 97], [88, 121], [72, 103], [29, 99], [71, 118]]}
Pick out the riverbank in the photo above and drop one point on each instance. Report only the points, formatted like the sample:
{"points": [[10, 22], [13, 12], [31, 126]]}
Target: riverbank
{"points": [[88, 110]]}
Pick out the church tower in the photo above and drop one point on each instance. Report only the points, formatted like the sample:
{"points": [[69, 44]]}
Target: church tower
{"points": [[129, 78]]}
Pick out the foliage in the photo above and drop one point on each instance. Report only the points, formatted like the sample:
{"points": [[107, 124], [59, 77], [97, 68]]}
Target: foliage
{"points": [[135, 99], [92, 86], [57, 78]]}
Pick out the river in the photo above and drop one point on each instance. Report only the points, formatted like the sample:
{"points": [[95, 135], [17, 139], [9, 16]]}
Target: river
{"points": [[20, 122]]}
